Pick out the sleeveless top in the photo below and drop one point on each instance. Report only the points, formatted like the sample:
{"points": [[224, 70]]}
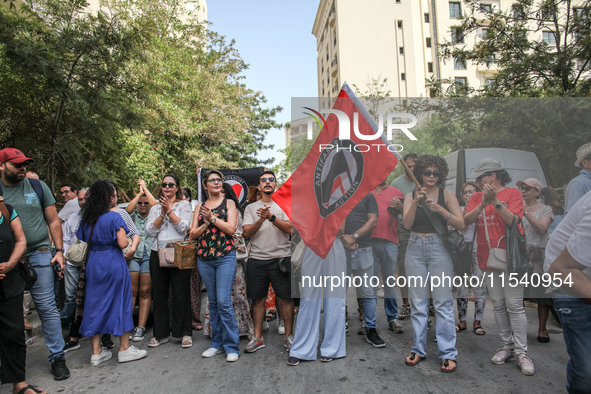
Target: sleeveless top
{"points": [[214, 243], [13, 284], [422, 224]]}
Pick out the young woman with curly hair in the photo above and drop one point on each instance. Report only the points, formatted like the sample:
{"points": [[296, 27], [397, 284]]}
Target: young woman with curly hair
{"points": [[426, 256]]}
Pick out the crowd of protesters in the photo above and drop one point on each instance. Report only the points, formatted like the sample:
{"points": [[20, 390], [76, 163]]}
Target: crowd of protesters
{"points": [[242, 254]]}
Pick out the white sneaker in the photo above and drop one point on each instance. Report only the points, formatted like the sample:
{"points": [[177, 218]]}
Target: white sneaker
{"points": [[526, 365], [265, 325], [231, 357], [131, 354], [97, 359], [281, 329], [211, 352]]}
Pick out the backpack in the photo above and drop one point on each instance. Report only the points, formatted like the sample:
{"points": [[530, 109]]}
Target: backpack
{"points": [[36, 183]]}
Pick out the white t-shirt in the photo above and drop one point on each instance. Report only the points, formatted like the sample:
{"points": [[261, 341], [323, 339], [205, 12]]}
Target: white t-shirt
{"points": [[269, 242], [574, 234]]}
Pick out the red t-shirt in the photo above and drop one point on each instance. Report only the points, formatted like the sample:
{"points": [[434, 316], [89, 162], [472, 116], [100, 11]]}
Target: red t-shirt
{"points": [[387, 227], [496, 225]]}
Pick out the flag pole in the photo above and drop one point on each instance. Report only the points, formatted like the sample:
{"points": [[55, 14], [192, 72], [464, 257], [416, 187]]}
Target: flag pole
{"points": [[410, 174]]}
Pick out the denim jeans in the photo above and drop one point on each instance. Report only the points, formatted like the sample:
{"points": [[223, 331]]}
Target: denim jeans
{"points": [[360, 262], [71, 275], [385, 254], [219, 275], [426, 257], [575, 317], [44, 298]]}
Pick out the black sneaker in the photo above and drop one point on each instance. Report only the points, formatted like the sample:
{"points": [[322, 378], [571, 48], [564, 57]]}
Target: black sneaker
{"points": [[71, 345], [346, 325], [374, 338], [107, 342], [293, 361], [325, 359], [59, 370]]}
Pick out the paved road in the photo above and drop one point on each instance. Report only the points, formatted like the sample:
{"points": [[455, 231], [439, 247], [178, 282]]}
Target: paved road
{"points": [[170, 369]]}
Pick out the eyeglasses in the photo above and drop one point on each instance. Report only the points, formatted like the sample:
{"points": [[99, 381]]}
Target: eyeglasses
{"points": [[465, 192], [436, 174], [169, 185], [65, 192], [143, 203], [20, 165], [270, 179], [526, 188], [481, 177], [214, 180]]}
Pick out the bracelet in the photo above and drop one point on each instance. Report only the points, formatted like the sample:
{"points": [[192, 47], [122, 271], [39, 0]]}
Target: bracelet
{"points": [[448, 217], [479, 210]]}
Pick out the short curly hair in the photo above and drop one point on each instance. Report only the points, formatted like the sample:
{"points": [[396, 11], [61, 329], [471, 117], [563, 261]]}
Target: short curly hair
{"points": [[426, 161]]}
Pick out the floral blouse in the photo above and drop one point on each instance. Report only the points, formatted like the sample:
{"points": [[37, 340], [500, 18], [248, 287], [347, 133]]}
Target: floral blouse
{"points": [[214, 243], [532, 237]]}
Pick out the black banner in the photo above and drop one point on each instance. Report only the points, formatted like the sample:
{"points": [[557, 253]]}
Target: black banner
{"points": [[239, 179]]}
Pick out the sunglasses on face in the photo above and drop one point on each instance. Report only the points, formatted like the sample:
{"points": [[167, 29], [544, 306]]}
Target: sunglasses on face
{"points": [[143, 203], [436, 174], [270, 179], [481, 177], [526, 188], [169, 185], [214, 180], [20, 165]]}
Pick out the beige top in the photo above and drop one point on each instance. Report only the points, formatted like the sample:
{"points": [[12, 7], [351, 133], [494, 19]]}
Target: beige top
{"points": [[269, 242]]}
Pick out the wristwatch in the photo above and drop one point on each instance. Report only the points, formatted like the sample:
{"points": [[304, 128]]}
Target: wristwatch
{"points": [[59, 250], [525, 213], [500, 204], [355, 235], [273, 218], [213, 220]]}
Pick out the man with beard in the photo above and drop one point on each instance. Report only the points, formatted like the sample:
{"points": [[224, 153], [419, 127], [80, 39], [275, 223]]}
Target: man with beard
{"points": [[268, 228], [36, 216]]}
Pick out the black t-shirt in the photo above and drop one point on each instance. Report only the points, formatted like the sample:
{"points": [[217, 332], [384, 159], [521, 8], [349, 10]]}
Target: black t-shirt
{"points": [[358, 217]]}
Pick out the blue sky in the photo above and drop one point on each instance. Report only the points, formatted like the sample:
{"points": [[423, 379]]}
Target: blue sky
{"points": [[275, 39]]}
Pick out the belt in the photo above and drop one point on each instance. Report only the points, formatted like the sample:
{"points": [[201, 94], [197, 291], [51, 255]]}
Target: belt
{"points": [[43, 249]]}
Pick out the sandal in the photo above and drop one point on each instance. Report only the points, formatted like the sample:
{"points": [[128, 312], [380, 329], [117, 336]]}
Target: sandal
{"points": [[459, 328], [445, 365], [412, 362], [198, 327], [187, 342], [30, 387], [479, 330], [157, 342]]}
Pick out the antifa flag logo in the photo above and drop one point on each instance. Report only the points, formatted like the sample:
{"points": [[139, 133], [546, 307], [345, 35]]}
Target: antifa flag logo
{"points": [[337, 176], [239, 186]]}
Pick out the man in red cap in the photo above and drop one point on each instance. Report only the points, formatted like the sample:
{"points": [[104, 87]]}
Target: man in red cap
{"points": [[35, 203]]}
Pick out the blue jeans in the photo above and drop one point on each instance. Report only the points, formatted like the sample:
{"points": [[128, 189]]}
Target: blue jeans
{"points": [[385, 254], [71, 275], [575, 317], [44, 298], [360, 262], [219, 276], [426, 257]]}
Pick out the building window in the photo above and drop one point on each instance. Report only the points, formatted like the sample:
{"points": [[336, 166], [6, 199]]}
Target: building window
{"points": [[518, 12], [489, 82], [430, 67], [428, 42], [400, 24], [457, 36], [484, 32], [401, 49], [455, 10], [334, 34], [577, 11], [549, 37], [484, 8], [548, 13], [461, 81], [426, 17], [490, 59], [432, 92], [459, 63], [192, 5], [327, 53], [398, 1], [403, 77]]}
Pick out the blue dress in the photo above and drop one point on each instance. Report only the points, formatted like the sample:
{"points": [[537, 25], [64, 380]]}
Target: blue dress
{"points": [[107, 304]]}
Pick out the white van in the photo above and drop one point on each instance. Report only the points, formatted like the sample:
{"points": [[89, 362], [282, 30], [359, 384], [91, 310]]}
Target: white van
{"points": [[518, 163]]}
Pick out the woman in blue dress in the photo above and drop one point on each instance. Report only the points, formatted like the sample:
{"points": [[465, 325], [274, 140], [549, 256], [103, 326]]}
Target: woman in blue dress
{"points": [[108, 294]]}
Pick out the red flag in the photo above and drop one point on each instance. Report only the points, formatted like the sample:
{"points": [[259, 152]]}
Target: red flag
{"points": [[337, 173]]}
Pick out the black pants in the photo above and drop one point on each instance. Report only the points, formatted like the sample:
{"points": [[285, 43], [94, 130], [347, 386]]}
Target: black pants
{"points": [[13, 351], [180, 282]]}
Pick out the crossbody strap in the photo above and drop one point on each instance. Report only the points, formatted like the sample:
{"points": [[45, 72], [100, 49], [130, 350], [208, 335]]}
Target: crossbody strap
{"points": [[486, 231], [437, 225], [4, 210], [88, 245]]}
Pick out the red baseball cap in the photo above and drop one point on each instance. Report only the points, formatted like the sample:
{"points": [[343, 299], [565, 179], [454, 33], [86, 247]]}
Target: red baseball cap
{"points": [[13, 155]]}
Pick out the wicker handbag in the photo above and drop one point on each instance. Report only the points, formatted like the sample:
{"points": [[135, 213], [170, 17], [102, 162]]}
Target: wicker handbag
{"points": [[185, 254]]}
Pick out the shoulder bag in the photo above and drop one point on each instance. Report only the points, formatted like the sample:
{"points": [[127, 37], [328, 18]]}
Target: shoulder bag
{"points": [[458, 248], [497, 257], [26, 269], [166, 255]]}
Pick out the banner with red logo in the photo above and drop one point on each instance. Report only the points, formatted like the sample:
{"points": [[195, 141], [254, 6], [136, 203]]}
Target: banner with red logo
{"points": [[239, 179], [348, 160]]}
